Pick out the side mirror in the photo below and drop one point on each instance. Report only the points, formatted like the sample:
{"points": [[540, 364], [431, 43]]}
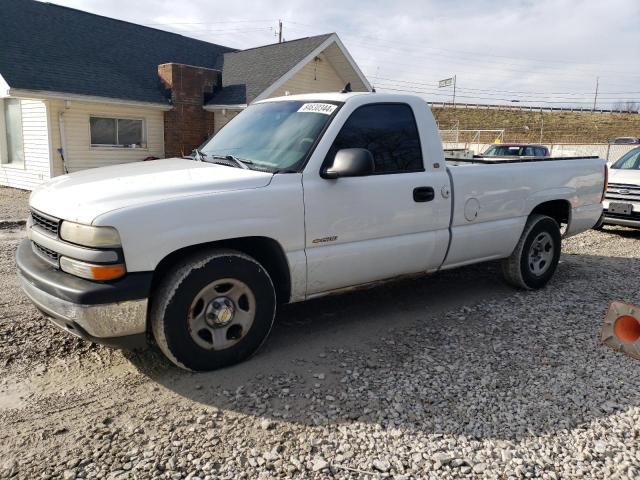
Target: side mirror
{"points": [[350, 162]]}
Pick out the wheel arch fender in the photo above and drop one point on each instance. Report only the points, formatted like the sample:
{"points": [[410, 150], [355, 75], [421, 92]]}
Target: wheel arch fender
{"points": [[559, 209], [265, 250]]}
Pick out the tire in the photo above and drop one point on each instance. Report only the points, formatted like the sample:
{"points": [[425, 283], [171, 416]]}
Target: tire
{"points": [[535, 258], [214, 309], [599, 224]]}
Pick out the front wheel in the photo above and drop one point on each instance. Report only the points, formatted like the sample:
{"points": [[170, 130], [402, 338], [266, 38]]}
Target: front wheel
{"points": [[212, 310], [536, 256]]}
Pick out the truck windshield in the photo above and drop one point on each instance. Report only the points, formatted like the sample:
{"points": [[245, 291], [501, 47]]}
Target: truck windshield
{"points": [[629, 161], [273, 135]]}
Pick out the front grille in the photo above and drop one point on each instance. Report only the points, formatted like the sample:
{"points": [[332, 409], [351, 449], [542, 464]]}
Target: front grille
{"points": [[622, 192], [46, 222], [46, 254]]}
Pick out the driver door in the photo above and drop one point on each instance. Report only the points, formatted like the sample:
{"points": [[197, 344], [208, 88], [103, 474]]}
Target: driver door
{"points": [[363, 229]]}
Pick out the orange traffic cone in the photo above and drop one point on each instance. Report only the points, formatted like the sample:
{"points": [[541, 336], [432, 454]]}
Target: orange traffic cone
{"points": [[621, 328]]}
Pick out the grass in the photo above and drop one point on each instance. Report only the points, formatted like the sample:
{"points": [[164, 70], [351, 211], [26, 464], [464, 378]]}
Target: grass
{"points": [[540, 127]]}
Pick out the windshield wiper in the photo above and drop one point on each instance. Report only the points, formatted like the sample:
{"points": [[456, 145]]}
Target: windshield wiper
{"points": [[241, 162], [198, 155]]}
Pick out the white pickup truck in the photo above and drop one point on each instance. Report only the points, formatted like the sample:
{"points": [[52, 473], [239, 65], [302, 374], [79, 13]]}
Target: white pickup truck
{"points": [[297, 197]]}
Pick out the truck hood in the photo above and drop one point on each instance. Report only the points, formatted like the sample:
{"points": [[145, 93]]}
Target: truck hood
{"points": [[618, 175], [82, 196]]}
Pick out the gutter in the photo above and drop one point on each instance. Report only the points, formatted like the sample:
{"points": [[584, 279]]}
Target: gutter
{"points": [[63, 142], [43, 94], [216, 108]]}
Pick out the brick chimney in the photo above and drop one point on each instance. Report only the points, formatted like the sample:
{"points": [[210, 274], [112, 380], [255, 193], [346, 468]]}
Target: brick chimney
{"points": [[187, 125]]}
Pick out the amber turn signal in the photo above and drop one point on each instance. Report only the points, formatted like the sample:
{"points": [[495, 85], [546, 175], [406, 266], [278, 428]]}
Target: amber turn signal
{"points": [[92, 271]]}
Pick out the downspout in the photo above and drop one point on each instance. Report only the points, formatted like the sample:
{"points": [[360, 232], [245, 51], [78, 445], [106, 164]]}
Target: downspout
{"points": [[63, 143]]}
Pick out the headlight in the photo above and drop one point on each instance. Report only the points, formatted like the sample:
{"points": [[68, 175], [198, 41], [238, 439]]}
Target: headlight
{"points": [[89, 236], [92, 271]]}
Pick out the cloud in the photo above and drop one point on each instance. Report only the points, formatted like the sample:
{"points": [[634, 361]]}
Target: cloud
{"points": [[545, 52]]}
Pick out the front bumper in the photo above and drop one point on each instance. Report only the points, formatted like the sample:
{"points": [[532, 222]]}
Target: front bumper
{"points": [[625, 222], [630, 220], [111, 313]]}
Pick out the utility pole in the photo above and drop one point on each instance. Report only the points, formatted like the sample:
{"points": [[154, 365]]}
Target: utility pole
{"points": [[454, 91], [279, 31], [595, 98]]}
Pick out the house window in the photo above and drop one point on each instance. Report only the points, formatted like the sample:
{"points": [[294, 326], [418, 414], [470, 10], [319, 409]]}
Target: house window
{"points": [[117, 132], [14, 143]]}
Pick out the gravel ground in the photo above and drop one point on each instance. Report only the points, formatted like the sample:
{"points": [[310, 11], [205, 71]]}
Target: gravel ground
{"points": [[450, 376], [13, 205]]}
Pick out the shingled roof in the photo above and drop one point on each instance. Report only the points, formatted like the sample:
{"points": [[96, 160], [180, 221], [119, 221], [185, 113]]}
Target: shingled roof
{"points": [[50, 48], [53, 48], [247, 73]]}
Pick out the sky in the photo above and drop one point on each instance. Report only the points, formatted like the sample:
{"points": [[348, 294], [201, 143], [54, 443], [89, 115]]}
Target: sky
{"points": [[517, 52]]}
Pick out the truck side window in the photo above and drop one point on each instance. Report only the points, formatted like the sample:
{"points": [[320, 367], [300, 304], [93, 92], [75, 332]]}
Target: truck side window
{"points": [[388, 131]]}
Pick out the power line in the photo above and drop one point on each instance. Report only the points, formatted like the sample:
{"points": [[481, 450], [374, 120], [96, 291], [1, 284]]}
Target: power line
{"points": [[497, 76], [487, 72], [423, 87], [493, 93], [503, 99], [423, 92], [226, 22], [234, 30], [475, 55], [486, 64], [433, 84], [472, 53]]}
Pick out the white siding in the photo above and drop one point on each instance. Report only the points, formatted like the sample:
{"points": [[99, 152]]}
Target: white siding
{"points": [[315, 76], [35, 134], [345, 70], [79, 153]]}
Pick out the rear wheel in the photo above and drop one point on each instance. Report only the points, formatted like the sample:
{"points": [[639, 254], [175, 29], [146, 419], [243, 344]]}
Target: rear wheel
{"points": [[535, 258], [212, 310]]}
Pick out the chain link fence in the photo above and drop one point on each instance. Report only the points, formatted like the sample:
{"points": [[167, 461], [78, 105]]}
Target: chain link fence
{"points": [[609, 152]]}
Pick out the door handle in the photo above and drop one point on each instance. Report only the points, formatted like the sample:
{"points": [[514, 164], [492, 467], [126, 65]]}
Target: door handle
{"points": [[423, 194]]}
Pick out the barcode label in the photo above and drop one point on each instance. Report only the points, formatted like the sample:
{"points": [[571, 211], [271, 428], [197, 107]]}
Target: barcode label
{"points": [[324, 108]]}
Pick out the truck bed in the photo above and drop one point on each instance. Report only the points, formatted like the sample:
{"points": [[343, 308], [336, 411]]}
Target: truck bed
{"points": [[490, 204]]}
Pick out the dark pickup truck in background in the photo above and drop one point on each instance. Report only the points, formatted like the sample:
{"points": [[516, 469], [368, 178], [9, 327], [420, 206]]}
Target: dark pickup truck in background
{"points": [[516, 150]]}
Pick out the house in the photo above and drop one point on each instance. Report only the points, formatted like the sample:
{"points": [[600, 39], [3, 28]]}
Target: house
{"points": [[79, 90]]}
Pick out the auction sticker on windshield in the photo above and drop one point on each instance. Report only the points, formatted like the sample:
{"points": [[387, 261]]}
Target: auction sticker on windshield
{"points": [[324, 108]]}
